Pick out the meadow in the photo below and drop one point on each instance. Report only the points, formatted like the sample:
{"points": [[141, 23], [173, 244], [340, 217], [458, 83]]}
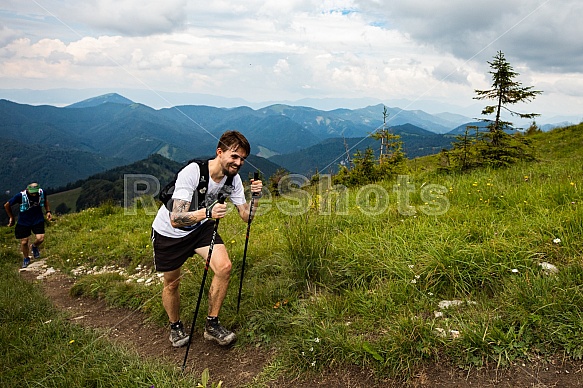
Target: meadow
{"points": [[476, 269]]}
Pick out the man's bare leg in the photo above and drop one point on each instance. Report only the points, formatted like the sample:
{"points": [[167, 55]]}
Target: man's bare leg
{"points": [[221, 267], [171, 295]]}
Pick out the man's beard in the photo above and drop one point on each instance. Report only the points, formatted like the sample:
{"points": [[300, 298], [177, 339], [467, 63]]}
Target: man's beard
{"points": [[227, 170]]}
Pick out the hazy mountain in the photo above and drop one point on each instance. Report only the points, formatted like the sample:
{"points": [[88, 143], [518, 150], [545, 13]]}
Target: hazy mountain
{"points": [[129, 132], [113, 98], [325, 157], [50, 166], [119, 131]]}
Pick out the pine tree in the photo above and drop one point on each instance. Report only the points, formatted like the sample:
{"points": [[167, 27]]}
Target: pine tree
{"points": [[496, 147], [505, 91]]}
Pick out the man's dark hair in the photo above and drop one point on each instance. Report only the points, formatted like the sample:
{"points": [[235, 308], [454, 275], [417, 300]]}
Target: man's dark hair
{"points": [[232, 140]]}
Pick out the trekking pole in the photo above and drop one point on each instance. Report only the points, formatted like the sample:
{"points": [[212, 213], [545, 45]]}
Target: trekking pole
{"points": [[253, 196], [200, 292]]}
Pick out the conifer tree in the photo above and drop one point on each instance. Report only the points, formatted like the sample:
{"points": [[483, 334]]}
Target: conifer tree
{"points": [[496, 147], [505, 91]]}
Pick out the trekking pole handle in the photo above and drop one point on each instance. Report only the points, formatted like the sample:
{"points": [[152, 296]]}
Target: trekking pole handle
{"points": [[256, 178], [209, 209]]}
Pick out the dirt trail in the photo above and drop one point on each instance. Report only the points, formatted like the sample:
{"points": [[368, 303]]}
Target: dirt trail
{"points": [[237, 367]]}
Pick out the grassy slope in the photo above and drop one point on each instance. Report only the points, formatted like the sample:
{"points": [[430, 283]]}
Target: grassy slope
{"points": [[363, 288], [69, 198], [41, 348]]}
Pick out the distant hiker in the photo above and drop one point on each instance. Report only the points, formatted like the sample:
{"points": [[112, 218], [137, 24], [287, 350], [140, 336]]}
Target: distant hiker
{"points": [[179, 233], [30, 219]]}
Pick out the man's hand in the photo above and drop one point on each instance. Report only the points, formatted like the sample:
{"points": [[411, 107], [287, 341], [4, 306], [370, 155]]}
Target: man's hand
{"points": [[218, 210], [49, 216], [256, 187], [11, 221]]}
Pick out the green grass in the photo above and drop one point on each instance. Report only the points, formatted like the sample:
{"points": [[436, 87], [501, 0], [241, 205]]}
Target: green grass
{"points": [[327, 289], [40, 348], [69, 198]]}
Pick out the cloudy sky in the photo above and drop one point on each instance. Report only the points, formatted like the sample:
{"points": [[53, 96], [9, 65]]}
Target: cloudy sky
{"points": [[289, 50]]}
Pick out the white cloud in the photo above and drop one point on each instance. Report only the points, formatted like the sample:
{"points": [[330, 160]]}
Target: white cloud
{"points": [[448, 72], [291, 49], [134, 18], [544, 33]]}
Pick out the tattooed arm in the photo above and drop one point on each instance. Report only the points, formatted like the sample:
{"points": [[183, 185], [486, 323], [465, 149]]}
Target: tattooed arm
{"points": [[181, 217]]}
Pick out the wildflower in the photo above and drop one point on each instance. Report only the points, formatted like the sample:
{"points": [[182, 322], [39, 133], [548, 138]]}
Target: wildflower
{"points": [[312, 349], [316, 340], [313, 363], [414, 281], [514, 270], [557, 241], [411, 266], [572, 183], [232, 241], [70, 342]]}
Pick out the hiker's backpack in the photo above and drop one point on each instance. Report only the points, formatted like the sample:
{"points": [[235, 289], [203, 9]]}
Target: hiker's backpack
{"points": [[25, 204], [198, 195]]}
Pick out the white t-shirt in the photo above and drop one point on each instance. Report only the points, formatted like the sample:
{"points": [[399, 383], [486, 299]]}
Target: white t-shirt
{"points": [[186, 182]]}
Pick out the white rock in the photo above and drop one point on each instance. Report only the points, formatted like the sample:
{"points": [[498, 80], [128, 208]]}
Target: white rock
{"points": [[445, 304], [440, 332], [548, 268], [48, 272]]}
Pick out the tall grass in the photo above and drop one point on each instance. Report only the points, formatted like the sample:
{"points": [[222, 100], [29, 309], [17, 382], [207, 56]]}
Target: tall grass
{"points": [[335, 288]]}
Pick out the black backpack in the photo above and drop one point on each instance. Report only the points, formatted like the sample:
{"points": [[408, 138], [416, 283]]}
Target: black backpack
{"points": [[198, 195]]}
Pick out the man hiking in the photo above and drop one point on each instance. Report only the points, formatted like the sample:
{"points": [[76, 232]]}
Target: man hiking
{"points": [[179, 232], [30, 219]]}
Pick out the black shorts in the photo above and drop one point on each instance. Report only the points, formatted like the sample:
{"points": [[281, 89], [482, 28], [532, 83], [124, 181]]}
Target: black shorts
{"points": [[171, 253], [24, 231]]}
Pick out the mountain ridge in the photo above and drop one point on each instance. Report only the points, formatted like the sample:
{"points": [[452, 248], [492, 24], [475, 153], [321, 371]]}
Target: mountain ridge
{"points": [[122, 131]]}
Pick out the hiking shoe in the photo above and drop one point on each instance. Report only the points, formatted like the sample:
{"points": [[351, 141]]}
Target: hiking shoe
{"points": [[214, 331], [177, 335], [25, 262], [35, 251]]}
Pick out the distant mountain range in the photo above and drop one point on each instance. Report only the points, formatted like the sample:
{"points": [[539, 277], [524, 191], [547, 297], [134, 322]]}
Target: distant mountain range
{"points": [[59, 145]]}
